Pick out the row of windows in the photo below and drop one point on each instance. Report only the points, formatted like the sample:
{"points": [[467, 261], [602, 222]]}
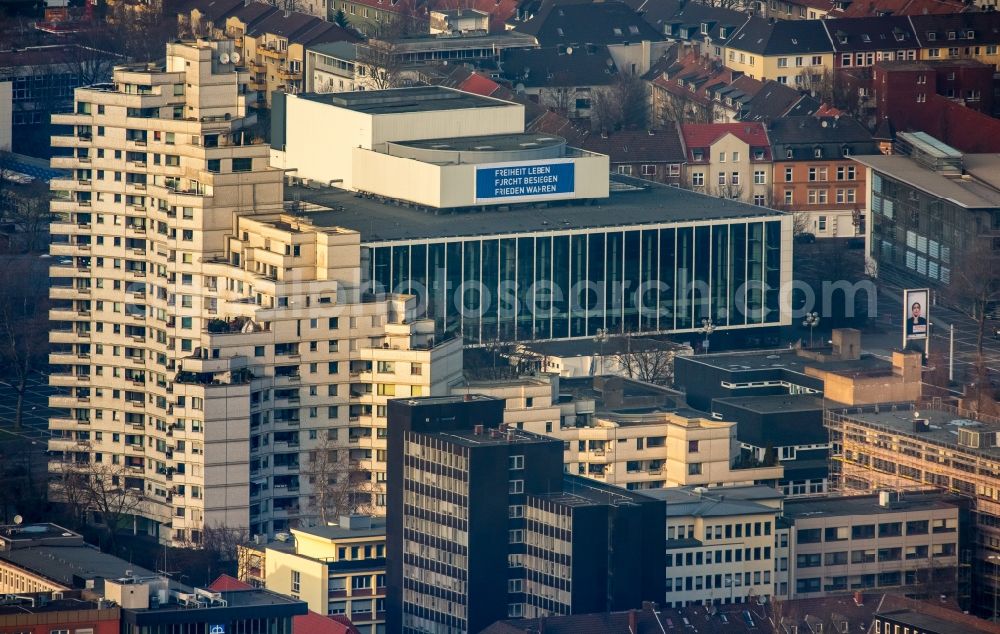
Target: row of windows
{"points": [[727, 581], [719, 556]]}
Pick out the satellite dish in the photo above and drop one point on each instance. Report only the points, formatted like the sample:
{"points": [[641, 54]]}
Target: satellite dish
{"points": [[569, 50], [519, 88], [18, 520], [224, 58], [235, 57]]}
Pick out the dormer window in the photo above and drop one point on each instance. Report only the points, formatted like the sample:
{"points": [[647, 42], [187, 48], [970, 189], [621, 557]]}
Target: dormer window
{"points": [[698, 155], [866, 38], [634, 30], [788, 153], [722, 32], [818, 152], [951, 35], [847, 151], [617, 31], [931, 36], [758, 155], [970, 34], [559, 32], [704, 28], [842, 37]]}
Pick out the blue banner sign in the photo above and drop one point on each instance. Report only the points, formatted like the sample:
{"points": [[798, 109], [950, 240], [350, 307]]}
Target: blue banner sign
{"points": [[524, 181]]}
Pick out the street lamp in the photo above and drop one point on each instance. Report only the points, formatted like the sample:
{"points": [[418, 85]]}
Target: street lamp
{"points": [[707, 328], [994, 559], [601, 338], [811, 320]]}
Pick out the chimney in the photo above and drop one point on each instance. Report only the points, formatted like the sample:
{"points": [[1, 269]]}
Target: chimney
{"points": [[859, 598], [478, 430], [633, 621], [467, 398]]}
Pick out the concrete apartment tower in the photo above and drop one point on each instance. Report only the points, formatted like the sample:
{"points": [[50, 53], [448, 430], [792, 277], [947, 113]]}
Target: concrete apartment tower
{"points": [[214, 354]]}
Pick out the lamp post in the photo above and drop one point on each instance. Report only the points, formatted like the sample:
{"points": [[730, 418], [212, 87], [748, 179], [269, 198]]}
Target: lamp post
{"points": [[707, 328], [994, 559], [811, 321], [601, 338]]}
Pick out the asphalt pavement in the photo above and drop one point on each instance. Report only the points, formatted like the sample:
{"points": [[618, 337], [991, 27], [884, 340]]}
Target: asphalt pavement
{"points": [[887, 335]]}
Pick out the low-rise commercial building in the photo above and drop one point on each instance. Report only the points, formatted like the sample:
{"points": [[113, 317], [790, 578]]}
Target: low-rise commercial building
{"points": [[45, 613], [338, 569], [891, 541], [930, 204], [927, 445]]}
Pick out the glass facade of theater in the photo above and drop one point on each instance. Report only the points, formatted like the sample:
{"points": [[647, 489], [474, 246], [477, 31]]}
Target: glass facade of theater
{"points": [[554, 285]]}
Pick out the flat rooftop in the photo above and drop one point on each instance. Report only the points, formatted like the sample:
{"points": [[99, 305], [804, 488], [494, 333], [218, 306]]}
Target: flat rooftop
{"points": [[404, 100], [335, 532], [944, 425], [635, 203], [487, 143], [581, 491], [67, 565], [980, 191], [469, 437], [717, 501], [586, 347], [787, 359], [840, 505], [775, 403]]}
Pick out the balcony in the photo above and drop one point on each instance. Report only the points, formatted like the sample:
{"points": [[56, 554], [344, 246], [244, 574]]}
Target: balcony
{"points": [[271, 53], [289, 74]]}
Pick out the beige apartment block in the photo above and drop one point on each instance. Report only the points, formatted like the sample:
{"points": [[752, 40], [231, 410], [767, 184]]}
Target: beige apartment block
{"points": [[336, 569], [629, 445], [205, 343]]}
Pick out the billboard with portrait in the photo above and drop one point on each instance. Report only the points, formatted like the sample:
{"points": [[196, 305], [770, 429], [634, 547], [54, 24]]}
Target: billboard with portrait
{"points": [[916, 313]]}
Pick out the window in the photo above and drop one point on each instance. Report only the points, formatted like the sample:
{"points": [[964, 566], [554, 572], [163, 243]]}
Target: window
{"points": [[788, 174], [698, 179], [735, 178], [821, 223], [760, 200], [782, 62], [515, 463], [694, 468], [722, 178], [759, 177], [692, 446], [649, 170], [736, 157], [788, 196], [296, 581], [516, 486], [242, 164], [625, 170], [809, 535], [921, 98], [515, 536]]}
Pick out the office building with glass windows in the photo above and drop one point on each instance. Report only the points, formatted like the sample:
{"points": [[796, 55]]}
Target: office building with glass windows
{"points": [[930, 204], [649, 259]]}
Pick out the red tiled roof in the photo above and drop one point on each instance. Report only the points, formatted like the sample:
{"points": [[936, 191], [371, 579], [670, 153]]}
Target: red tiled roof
{"points": [[479, 84], [227, 583], [703, 135], [313, 623]]}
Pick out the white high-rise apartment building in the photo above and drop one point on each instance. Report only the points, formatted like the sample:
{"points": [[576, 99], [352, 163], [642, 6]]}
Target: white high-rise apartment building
{"points": [[215, 355]]}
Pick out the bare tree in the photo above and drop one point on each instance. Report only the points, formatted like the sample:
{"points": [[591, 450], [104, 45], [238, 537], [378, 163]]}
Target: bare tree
{"points": [[620, 105], [339, 486], [222, 542], [27, 210], [975, 286], [672, 109], [649, 364], [23, 324], [380, 62], [102, 489]]}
